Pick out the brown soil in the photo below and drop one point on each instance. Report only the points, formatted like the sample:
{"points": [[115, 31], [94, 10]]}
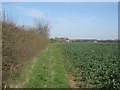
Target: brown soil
{"points": [[73, 83]]}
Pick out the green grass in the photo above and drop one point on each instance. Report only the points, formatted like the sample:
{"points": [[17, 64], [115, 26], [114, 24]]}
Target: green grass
{"points": [[48, 71], [17, 81]]}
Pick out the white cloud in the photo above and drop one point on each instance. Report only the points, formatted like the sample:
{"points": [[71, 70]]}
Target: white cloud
{"points": [[31, 11], [82, 22], [58, 19], [35, 13]]}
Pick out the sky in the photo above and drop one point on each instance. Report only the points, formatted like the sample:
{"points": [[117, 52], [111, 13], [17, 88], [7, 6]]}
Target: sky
{"points": [[75, 20]]}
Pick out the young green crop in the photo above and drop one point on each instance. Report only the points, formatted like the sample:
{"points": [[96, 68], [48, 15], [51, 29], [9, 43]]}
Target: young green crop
{"points": [[97, 63]]}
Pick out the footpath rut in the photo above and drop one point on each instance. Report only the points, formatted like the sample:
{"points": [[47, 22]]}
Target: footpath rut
{"points": [[48, 71]]}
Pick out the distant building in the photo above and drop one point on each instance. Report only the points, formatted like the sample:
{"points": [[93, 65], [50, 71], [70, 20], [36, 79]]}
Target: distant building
{"points": [[67, 40], [95, 41], [64, 39]]}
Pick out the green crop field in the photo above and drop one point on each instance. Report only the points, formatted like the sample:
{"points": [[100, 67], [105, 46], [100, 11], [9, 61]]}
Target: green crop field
{"points": [[93, 64]]}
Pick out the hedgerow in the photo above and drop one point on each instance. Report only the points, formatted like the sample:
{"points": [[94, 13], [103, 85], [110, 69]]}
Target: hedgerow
{"points": [[19, 45]]}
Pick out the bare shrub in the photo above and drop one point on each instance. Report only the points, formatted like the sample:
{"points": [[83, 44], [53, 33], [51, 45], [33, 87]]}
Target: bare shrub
{"points": [[42, 26]]}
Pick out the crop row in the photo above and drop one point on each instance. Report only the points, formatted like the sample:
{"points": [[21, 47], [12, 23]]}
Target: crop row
{"points": [[97, 63]]}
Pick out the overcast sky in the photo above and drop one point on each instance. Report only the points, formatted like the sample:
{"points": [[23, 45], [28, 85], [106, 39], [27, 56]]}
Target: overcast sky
{"points": [[79, 20]]}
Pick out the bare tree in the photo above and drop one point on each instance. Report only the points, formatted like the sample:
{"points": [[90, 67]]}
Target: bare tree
{"points": [[42, 26], [5, 15]]}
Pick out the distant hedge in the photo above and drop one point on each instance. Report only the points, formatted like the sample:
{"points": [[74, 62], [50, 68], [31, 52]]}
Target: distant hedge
{"points": [[19, 45]]}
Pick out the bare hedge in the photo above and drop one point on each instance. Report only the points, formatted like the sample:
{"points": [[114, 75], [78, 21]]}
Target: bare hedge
{"points": [[19, 46]]}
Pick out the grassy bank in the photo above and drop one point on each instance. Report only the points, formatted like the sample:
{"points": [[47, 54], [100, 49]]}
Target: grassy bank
{"points": [[46, 71]]}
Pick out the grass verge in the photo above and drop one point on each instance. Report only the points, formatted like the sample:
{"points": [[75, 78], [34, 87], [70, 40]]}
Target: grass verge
{"points": [[47, 71]]}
